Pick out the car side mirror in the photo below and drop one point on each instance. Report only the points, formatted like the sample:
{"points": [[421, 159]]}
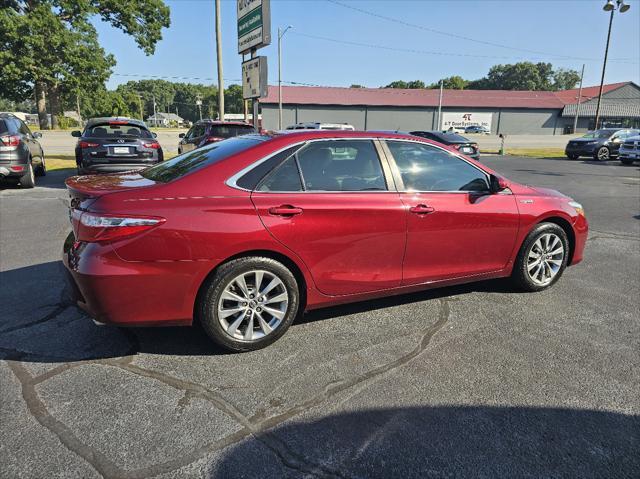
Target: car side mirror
{"points": [[154, 134], [76, 133], [497, 184], [36, 134], [181, 135]]}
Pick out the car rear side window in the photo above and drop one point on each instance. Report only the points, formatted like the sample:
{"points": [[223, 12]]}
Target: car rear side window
{"points": [[3, 126], [250, 180], [341, 165], [427, 168], [285, 177], [114, 131], [196, 159], [229, 131]]}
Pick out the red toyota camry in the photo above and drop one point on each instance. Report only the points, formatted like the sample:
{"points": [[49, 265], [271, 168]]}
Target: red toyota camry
{"points": [[247, 233]]}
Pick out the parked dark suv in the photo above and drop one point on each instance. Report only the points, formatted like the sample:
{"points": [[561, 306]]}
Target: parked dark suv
{"points": [[110, 145], [462, 144], [204, 132], [21, 156], [600, 144]]}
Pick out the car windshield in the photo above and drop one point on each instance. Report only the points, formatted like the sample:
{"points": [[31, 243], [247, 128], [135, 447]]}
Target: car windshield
{"points": [[115, 130], [229, 131], [598, 134], [195, 159]]}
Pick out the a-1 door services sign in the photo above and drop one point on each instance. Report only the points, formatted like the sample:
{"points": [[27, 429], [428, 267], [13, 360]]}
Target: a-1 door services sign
{"points": [[254, 78], [254, 24]]}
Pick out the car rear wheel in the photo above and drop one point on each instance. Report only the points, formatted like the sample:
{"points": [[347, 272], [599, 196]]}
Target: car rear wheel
{"points": [[248, 303], [28, 180], [42, 168], [542, 258], [602, 154]]}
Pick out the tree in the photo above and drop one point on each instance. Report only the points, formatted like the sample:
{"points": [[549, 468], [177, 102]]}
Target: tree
{"points": [[451, 83], [415, 84], [51, 46], [565, 79], [355, 85], [233, 100]]}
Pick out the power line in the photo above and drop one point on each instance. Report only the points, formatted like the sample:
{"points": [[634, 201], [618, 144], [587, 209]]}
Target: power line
{"points": [[168, 77], [462, 37]]}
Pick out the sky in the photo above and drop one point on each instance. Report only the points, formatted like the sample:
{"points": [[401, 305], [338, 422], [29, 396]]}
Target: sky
{"points": [[374, 42]]}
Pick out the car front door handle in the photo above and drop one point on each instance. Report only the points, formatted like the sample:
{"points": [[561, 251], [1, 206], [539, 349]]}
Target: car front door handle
{"points": [[285, 210], [422, 209]]}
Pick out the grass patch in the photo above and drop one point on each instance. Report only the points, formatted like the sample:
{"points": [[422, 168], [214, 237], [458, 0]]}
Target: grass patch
{"points": [[61, 162], [532, 152]]}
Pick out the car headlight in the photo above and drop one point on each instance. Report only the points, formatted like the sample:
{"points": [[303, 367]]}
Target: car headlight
{"points": [[577, 206]]}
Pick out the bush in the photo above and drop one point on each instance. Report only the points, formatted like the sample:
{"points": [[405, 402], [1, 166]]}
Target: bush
{"points": [[65, 122]]}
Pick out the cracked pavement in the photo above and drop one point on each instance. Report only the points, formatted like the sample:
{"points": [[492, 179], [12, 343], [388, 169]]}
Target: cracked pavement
{"points": [[474, 380]]}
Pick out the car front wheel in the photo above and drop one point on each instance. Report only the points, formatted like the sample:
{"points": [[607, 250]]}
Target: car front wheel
{"points": [[542, 258], [572, 157], [248, 303], [602, 154]]}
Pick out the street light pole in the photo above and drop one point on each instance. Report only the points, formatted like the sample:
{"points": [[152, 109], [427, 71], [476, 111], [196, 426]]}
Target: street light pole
{"points": [[280, 35], [608, 7], [219, 57]]}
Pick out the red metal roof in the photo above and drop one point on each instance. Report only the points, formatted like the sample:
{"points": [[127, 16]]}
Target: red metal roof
{"points": [[571, 96], [420, 98]]}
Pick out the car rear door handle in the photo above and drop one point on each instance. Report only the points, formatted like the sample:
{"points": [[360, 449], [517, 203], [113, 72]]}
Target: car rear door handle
{"points": [[422, 209], [285, 210]]}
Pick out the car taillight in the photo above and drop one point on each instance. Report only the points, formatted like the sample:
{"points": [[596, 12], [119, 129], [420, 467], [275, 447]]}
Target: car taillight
{"points": [[10, 140], [103, 228], [151, 144], [212, 139], [86, 144]]}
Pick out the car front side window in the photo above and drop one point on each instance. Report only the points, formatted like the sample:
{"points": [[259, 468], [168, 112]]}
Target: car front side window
{"points": [[427, 168]]}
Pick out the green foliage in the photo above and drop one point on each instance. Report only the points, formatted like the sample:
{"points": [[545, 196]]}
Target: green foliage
{"points": [[355, 85], [565, 79], [64, 122], [451, 83], [415, 84]]}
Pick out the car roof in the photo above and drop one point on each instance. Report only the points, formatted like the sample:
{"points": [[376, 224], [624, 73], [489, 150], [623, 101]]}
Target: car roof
{"points": [[107, 119], [209, 121], [293, 136]]}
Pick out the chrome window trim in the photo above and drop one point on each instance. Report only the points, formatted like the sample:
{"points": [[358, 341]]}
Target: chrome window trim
{"points": [[231, 182]]}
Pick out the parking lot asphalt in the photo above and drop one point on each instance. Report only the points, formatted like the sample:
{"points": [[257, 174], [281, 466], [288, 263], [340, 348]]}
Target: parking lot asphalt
{"points": [[469, 381]]}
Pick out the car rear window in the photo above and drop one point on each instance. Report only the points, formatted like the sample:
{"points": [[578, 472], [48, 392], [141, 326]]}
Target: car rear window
{"points": [[113, 130], [229, 131], [199, 158]]}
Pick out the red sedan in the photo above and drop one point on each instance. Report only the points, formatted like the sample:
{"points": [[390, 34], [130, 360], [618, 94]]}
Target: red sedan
{"points": [[247, 233]]}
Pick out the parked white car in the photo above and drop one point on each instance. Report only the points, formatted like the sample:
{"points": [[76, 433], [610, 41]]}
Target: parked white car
{"points": [[321, 126]]}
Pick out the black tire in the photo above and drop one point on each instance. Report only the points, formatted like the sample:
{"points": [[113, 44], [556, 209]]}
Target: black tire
{"points": [[626, 161], [42, 168], [210, 298], [28, 179], [602, 154], [572, 157], [520, 275]]}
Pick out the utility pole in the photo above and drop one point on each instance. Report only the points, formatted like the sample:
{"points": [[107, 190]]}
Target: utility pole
{"points": [[155, 118], [575, 120], [199, 104], [440, 107], [280, 35], [219, 55]]}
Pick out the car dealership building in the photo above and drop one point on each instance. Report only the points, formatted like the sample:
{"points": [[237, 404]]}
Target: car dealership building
{"points": [[502, 111]]}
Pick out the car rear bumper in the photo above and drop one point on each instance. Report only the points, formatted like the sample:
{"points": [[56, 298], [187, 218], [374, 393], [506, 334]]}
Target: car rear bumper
{"points": [[11, 162], [123, 293]]}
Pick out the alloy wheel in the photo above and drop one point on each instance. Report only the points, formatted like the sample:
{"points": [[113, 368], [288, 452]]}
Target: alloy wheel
{"points": [[253, 305], [545, 258], [603, 153]]}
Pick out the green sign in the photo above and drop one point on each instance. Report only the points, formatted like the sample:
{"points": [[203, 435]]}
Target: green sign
{"points": [[251, 21]]}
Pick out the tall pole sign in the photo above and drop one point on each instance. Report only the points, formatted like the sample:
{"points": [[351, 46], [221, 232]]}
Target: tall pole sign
{"points": [[254, 31], [254, 25]]}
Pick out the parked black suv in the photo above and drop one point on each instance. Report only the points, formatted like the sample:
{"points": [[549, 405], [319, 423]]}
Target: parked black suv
{"points": [[110, 145], [600, 144], [21, 156]]}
